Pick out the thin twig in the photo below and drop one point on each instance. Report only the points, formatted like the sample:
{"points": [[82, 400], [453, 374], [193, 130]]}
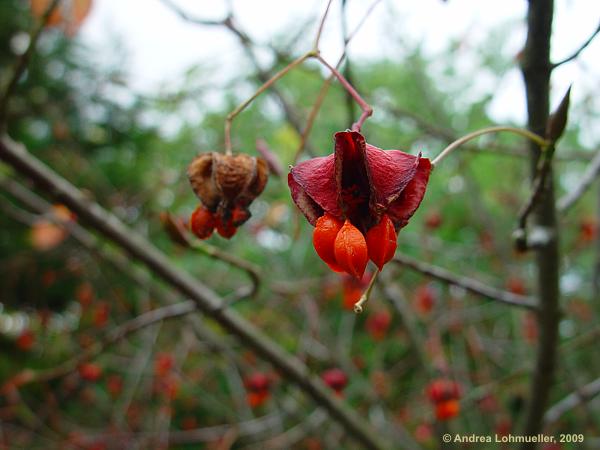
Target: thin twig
{"points": [[162, 267], [585, 181], [582, 395], [475, 134], [364, 298], [469, 284], [579, 50], [320, 29], [22, 64]]}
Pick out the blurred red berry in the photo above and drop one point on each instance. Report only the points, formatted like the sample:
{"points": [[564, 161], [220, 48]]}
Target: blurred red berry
{"points": [[588, 231], [90, 371], [101, 314], [433, 219], [26, 340], [424, 299], [443, 389], [163, 363], [503, 426], [516, 285], [377, 324], [530, 328], [85, 294], [447, 410], [424, 433], [336, 379], [114, 385], [258, 382]]}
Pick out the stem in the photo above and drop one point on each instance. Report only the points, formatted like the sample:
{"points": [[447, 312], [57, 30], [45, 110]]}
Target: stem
{"points": [[366, 108], [320, 29], [22, 63], [259, 91], [543, 143], [358, 306]]}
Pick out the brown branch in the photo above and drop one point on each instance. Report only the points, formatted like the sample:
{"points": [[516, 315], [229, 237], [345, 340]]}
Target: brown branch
{"points": [[469, 284], [206, 300], [579, 50], [22, 63], [585, 181], [536, 69], [582, 395]]}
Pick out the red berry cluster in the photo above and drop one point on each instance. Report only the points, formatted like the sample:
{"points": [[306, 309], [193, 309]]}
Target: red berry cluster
{"points": [[445, 395]]}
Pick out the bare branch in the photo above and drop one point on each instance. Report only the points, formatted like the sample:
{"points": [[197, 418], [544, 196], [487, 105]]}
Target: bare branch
{"points": [[206, 300], [566, 202], [582, 395], [469, 284], [579, 50]]}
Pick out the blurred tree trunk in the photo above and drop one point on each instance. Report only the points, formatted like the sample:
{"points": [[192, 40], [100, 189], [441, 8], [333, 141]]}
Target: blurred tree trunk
{"points": [[536, 68]]}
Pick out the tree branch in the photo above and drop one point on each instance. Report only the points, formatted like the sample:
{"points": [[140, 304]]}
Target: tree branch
{"points": [[469, 284], [585, 181], [206, 300], [579, 50], [584, 394], [536, 69]]}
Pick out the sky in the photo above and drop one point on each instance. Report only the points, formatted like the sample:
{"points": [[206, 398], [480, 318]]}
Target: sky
{"points": [[160, 46]]}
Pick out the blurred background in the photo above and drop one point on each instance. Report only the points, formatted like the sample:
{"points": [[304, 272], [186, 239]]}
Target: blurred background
{"points": [[119, 98]]}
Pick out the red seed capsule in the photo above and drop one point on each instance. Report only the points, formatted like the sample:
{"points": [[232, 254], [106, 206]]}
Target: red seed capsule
{"points": [[326, 230], [226, 228], [382, 242], [202, 222], [350, 249], [447, 410]]}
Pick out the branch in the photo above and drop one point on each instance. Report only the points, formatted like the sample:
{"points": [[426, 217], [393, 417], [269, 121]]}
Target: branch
{"points": [[579, 50], [469, 284], [206, 300], [22, 63], [536, 69], [584, 394], [585, 181]]}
